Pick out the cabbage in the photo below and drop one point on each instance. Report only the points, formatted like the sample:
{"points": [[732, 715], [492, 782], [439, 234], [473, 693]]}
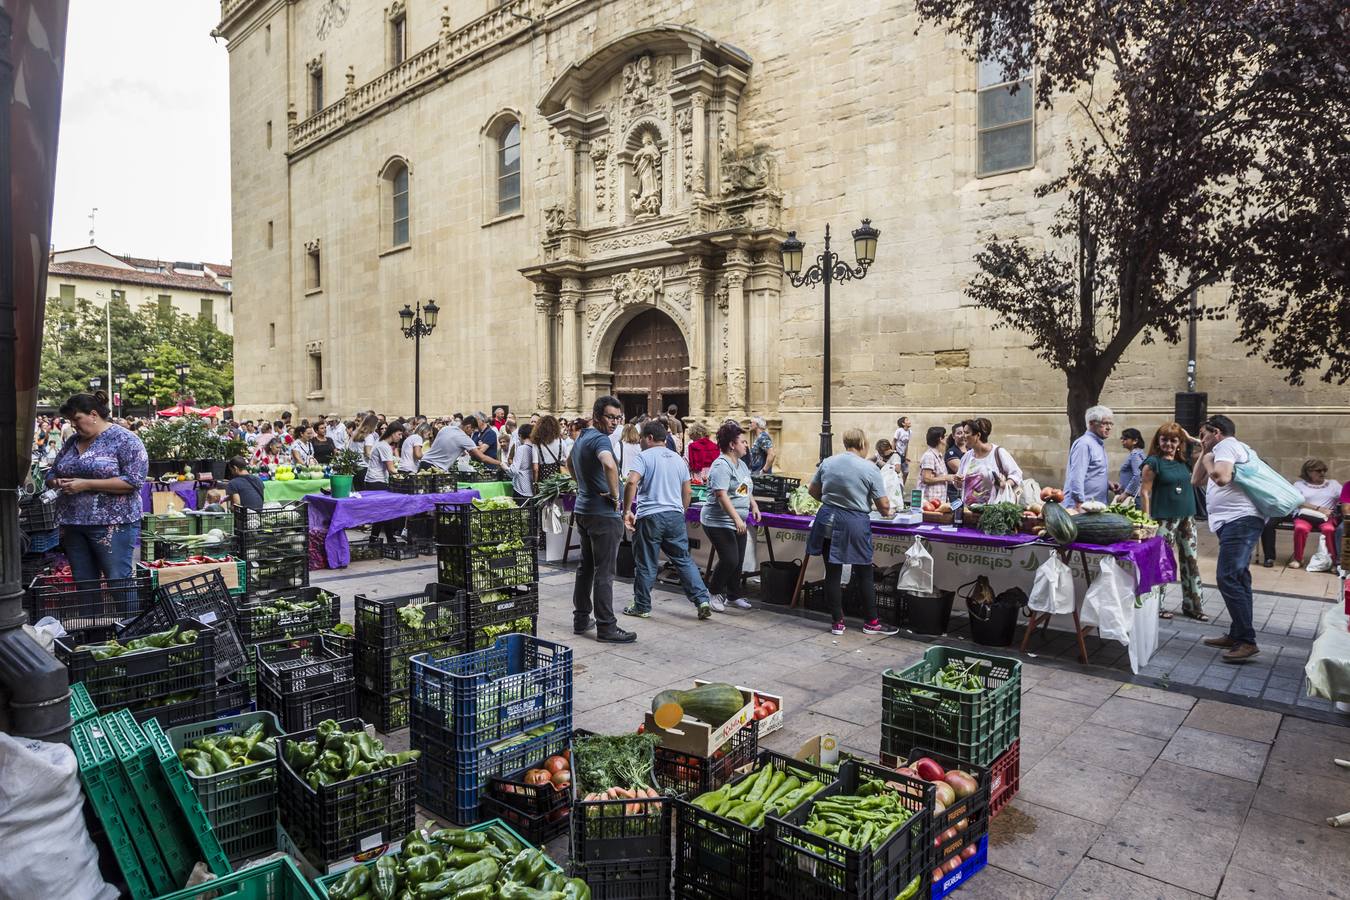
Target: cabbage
{"points": [[802, 503]]}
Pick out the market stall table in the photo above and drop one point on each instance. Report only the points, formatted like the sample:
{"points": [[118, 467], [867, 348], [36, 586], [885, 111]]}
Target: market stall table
{"points": [[487, 489], [295, 489], [333, 516], [187, 490]]}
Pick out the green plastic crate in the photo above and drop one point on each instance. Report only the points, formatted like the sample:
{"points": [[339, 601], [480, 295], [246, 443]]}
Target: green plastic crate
{"points": [[241, 803], [242, 575], [98, 770], [275, 880], [142, 771], [322, 883], [81, 706], [203, 522], [187, 801], [973, 727]]}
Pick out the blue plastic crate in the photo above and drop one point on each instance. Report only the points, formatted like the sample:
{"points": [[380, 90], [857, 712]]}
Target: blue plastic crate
{"points": [[486, 696], [967, 870], [452, 783]]}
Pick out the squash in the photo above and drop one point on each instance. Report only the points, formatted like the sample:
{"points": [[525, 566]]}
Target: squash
{"points": [[713, 703], [1059, 525], [1103, 528]]}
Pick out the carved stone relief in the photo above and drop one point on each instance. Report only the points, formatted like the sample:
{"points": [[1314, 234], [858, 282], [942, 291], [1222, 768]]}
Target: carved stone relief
{"points": [[748, 169], [555, 218], [638, 286], [599, 161], [646, 196], [684, 130]]}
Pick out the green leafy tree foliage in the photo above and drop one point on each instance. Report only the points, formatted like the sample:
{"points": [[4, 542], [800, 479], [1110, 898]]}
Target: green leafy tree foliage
{"points": [[74, 350], [1214, 152]]}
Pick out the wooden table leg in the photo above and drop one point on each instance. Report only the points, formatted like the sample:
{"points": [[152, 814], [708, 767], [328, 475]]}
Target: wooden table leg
{"points": [[1035, 619], [801, 579]]}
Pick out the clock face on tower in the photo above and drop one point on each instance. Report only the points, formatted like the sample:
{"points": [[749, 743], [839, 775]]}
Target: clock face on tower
{"points": [[332, 14]]}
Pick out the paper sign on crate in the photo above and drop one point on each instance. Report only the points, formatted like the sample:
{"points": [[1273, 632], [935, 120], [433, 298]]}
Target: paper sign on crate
{"points": [[769, 723], [374, 842], [699, 738], [821, 750]]}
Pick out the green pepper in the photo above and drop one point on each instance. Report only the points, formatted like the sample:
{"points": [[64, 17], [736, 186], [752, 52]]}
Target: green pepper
{"points": [[746, 812], [484, 871], [514, 890], [220, 760], [199, 765], [352, 885], [186, 637], [360, 767], [330, 762], [458, 859], [107, 653], [711, 800], [300, 755], [425, 867], [528, 865], [455, 837], [350, 757], [317, 778], [386, 878], [477, 892], [551, 881], [576, 889], [371, 749], [326, 727], [504, 840], [263, 750]]}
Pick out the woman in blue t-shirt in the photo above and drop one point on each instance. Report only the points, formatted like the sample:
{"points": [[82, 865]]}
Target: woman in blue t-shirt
{"points": [[730, 501]]}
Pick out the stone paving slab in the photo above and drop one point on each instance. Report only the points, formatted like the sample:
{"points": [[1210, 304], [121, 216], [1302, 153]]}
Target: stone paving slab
{"points": [[1218, 753], [1096, 879], [1295, 852], [1167, 847], [1039, 843], [1191, 793], [1151, 720], [1063, 782], [1112, 749], [1238, 721], [1241, 883]]}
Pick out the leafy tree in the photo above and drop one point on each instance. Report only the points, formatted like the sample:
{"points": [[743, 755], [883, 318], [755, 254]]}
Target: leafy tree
{"points": [[1214, 152]]}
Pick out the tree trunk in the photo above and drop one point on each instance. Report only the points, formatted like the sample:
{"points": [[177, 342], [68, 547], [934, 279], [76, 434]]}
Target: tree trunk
{"points": [[1083, 395]]}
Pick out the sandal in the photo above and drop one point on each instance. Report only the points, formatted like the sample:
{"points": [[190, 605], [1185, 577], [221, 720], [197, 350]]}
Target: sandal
{"points": [[1164, 614], [1199, 617]]}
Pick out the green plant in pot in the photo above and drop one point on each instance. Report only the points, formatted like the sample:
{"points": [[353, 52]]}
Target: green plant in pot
{"points": [[344, 467]]}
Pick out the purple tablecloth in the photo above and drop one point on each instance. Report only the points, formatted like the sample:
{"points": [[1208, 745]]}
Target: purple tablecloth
{"points": [[334, 516], [1152, 559], [185, 489]]}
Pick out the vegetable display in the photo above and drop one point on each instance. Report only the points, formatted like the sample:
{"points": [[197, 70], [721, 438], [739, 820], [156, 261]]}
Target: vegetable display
{"points": [[1001, 518], [801, 502], [713, 703], [1103, 528], [958, 676], [952, 785], [1059, 525], [602, 762], [865, 819], [765, 791], [1136, 515], [160, 640], [450, 863], [212, 755], [335, 755]]}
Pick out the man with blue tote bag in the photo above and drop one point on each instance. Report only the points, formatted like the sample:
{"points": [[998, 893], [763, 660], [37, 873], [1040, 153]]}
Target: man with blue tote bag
{"points": [[1241, 492]]}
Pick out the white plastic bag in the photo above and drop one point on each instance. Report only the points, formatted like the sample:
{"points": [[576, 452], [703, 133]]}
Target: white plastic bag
{"points": [[1052, 588], [1109, 603], [894, 484], [917, 574], [1321, 560], [1029, 492], [42, 812]]}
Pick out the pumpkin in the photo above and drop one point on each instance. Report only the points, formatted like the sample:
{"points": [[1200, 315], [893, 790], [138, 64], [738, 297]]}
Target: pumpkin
{"points": [[1059, 525], [713, 703]]}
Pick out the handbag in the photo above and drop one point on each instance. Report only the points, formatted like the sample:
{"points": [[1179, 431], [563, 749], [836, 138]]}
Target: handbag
{"points": [[1273, 497], [549, 469]]}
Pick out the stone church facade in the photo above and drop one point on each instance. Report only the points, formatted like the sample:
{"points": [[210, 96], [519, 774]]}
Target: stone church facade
{"points": [[594, 192]]}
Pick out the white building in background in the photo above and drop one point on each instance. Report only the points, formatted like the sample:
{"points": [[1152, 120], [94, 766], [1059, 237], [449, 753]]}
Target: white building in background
{"points": [[192, 288]]}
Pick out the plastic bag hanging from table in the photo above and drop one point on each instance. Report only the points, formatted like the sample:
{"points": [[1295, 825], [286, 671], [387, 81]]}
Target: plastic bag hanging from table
{"points": [[1109, 603], [917, 573], [1052, 588]]}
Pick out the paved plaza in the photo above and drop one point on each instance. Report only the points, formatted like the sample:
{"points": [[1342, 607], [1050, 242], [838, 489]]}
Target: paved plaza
{"points": [[1164, 785]]}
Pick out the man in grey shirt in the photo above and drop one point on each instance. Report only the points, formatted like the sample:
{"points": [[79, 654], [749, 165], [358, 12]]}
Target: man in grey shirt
{"points": [[451, 443], [660, 482]]}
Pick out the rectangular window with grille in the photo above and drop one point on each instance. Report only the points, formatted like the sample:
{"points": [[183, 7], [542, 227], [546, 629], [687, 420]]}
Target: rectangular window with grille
{"points": [[1005, 120]]}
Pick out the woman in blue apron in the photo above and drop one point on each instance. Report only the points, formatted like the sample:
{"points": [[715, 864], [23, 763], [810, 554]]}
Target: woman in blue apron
{"points": [[848, 486]]}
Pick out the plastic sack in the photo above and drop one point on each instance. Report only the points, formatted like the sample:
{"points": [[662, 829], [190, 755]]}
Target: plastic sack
{"points": [[917, 574], [42, 812], [894, 484], [1029, 493], [551, 518], [1109, 603], [1052, 588], [1272, 496], [1321, 560]]}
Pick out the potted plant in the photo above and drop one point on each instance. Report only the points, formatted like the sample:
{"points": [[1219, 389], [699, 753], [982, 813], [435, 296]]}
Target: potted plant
{"points": [[345, 465], [160, 440]]}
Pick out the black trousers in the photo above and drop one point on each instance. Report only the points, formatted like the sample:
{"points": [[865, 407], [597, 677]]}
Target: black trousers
{"points": [[730, 548], [834, 592]]}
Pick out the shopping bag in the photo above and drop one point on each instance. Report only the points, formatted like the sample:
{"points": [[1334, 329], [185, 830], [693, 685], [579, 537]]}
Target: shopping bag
{"points": [[917, 574], [1321, 560], [1109, 603], [894, 484], [1029, 493], [1052, 588], [1272, 496]]}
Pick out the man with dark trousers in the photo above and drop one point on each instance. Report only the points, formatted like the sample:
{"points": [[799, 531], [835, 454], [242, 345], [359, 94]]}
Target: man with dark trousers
{"points": [[599, 524]]}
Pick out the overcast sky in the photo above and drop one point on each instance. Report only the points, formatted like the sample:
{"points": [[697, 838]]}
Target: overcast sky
{"points": [[145, 131]]}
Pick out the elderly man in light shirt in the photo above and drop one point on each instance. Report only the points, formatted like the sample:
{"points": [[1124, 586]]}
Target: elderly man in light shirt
{"points": [[1087, 478]]}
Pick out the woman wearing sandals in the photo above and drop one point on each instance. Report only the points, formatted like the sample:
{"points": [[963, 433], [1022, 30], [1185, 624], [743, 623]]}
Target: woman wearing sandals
{"points": [[1166, 496]]}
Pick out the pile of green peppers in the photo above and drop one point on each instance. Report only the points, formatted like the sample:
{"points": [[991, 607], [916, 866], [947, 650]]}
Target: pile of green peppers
{"points": [[211, 756], [459, 865], [335, 755], [764, 791], [866, 818], [161, 640]]}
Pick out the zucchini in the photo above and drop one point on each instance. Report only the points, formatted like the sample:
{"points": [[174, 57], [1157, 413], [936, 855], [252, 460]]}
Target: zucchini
{"points": [[1059, 525], [712, 703]]}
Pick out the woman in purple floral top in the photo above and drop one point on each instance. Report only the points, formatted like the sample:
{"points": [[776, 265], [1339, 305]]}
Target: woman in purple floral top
{"points": [[99, 473]]}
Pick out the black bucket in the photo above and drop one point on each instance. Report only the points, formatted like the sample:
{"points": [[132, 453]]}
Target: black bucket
{"points": [[928, 613], [777, 580], [998, 629]]}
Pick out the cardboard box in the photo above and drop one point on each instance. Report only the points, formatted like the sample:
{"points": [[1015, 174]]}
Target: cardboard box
{"points": [[229, 571], [699, 738], [821, 750], [769, 724], [164, 501]]}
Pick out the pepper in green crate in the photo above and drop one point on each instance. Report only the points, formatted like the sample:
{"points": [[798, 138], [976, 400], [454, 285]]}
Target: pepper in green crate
{"points": [[576, 889], [426, 867], [352, 885]]}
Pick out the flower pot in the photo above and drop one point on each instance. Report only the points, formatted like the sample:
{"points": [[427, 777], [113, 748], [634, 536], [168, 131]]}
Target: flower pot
{"points": [[341, 485]]}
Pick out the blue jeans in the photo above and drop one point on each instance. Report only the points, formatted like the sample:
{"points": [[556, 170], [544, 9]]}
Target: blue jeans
{"points": [[657, 533], [99, 551], [1237, 540]]}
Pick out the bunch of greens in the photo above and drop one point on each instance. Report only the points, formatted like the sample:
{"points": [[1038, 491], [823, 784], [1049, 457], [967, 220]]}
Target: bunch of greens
{"points": [[413, 615], [1001, 518], [1136, 515], [959, 676], [551, 488], [493, 503], [600, 762], [801, 502]]}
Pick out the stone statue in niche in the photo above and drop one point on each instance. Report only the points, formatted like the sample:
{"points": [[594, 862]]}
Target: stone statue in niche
{"points": [[646, 197]]}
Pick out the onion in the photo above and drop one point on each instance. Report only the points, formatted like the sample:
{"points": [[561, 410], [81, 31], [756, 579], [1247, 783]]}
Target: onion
{"points": [[969, 851], [555, 764], [962, 782], [928, 769], [561, 779], [538, 776]]}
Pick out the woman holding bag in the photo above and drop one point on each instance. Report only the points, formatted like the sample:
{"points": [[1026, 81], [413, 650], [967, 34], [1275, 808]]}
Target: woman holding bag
{"points": [[987, 470], [1166, 496]]}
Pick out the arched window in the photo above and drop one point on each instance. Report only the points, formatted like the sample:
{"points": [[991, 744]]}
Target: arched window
{"points": [[400, 211], [508, 167], [394, 200]]}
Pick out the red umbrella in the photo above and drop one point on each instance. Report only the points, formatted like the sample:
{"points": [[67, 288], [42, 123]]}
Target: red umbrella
{"points": [[212, 412], [182, 410]]}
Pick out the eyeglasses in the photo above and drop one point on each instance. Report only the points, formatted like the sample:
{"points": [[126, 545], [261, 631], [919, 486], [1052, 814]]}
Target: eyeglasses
{"points": [[618, 418]]}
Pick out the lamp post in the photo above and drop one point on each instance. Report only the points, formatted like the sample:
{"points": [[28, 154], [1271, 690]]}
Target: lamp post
{"points": [[148, 374], [119, 380], [417, 325], [181, 370], [95, 383], [828, 268]]}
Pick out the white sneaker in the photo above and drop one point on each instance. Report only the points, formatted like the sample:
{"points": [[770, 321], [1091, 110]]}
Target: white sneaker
{"points": [[719, 603], [741, 603]]}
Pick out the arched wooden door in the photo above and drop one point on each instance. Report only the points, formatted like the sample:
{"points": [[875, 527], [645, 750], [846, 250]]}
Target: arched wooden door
{"points": [[651, 365]]}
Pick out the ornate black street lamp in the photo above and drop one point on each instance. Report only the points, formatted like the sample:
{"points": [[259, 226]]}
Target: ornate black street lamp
{"points": [[119, 380], [828, 268], [181, 370], [417, 325]]}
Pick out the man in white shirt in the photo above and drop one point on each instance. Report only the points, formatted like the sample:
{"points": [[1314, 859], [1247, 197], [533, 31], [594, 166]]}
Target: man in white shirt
{"points": [[1234, 518], [337, 433], [452, 443], [902, 435]]}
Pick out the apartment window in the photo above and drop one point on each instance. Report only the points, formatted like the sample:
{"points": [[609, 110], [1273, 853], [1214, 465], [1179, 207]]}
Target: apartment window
{"points": [[315, 372], [271, 335], [398, 37], [313, 267], [165, 304], [207, 310], [315, 89], [508, 168], [1005, 120], [394, 200], [269, 134], [119, 296], [269, 234]]}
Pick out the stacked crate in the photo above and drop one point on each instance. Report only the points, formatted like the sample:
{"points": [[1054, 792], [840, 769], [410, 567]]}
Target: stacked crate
{"points": [[274, 544], [284, 614], [389, 632], [492, 555], [486, 714], [771, 492], [304, 680], [89, 612]]}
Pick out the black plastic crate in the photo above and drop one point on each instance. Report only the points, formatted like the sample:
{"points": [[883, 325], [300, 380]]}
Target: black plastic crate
{"points": [[465, 525], [719, 859], [422, 532], [87, 606], [487, 567], [233, 697], [35, 515], [532, 799], [802, 865], [487, 635], [638, 879], [205, 598], [272, 544], [278, 573], [261, 619], [395, 550], [687, 775], [181, 712], [340, 820], [258, 522], [503, 605], [425, 482], [387, 712], [379, 624], [537, 830], [307, 709], [774, 485], [300, 664], [612, 830], [149, 678]]}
